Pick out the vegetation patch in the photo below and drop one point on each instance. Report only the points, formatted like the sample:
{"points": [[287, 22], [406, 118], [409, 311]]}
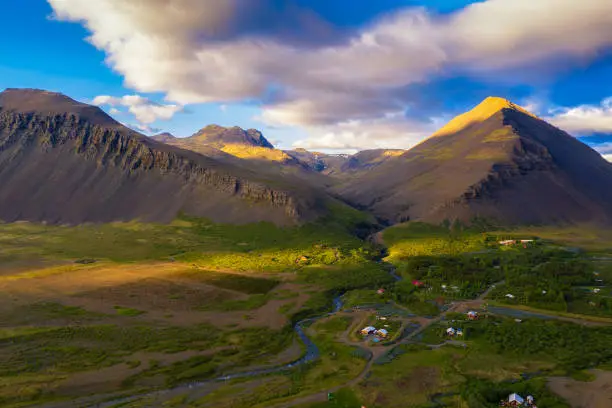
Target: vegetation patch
{"points": [[126, 311]]}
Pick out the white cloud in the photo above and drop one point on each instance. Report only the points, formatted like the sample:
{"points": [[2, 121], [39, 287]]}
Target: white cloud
{"points": [[168, 46], [223, 108], [144, 110], [584, 120], [114, 111], [390, 132], [608, 157]]}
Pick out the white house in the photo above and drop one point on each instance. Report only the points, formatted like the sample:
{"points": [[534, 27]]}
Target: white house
{"points": [[510, 296], [451, 331], [515, 399], [382, 333], [596, 290], [459, 332]]}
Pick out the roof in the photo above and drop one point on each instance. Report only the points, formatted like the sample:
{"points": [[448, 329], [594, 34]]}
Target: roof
{"points": [[383, 331], [516, 397], [368, 328]]}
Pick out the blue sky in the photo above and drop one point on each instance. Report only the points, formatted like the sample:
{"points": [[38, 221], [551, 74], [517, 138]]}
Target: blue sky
{"points": [[340, 75]]}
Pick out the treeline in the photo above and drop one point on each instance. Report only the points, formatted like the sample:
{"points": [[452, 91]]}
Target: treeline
{"points": [[574, 347]]}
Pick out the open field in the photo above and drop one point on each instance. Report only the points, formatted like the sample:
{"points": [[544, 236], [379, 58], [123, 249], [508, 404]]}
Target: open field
{"points": [[94, 308], [596, 393], [81, 314]]}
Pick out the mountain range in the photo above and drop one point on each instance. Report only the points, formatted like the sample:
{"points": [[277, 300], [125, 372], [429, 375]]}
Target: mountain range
{"points": [[63, 161]]}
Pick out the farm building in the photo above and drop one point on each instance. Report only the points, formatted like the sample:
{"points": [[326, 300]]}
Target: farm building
{"points": [[382, 333], [380, 291], [507, 242], [472, 315], [451, 331]]}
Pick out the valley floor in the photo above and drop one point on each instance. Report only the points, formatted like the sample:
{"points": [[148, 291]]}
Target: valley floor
{"points": [[199, 315]]}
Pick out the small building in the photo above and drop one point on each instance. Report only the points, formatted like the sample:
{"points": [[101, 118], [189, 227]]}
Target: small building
{"points": [[382, 333], [417, 283], [459, 332], [380, 291], [596, 290], [544, 292], [526, 241], [515, 400], [507, 242], [510, 296], [472, 315], [368, 330], [451, 331]]}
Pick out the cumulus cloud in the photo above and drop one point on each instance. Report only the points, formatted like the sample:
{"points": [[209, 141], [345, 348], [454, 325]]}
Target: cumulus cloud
{"points": [[144, 110], [302, 73], [390, 132], [584, 120]]}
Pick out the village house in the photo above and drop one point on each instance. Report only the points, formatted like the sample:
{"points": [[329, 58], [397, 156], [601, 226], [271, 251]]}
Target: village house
{"points": [[368, 330], [380, 291], [451, 331], [382, 333], [472, 315], [515, 400], [507, 242]]}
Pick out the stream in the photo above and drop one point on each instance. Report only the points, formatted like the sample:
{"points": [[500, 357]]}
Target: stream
{"points": [[312, 353]]}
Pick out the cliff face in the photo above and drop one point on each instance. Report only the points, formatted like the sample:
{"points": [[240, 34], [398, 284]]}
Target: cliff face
{"points": [[68, 168], [498, 162]]}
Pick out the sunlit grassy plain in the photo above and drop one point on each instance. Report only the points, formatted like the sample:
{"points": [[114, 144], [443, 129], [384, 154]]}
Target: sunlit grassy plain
{"points": [[47, 341], [50, 341]]}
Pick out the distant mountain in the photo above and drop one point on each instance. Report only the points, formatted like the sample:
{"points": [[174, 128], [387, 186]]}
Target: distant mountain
{"points": [[220, 136], [497, 161], [63, 161], [341, 165], [164, 137], [235, 141]]}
